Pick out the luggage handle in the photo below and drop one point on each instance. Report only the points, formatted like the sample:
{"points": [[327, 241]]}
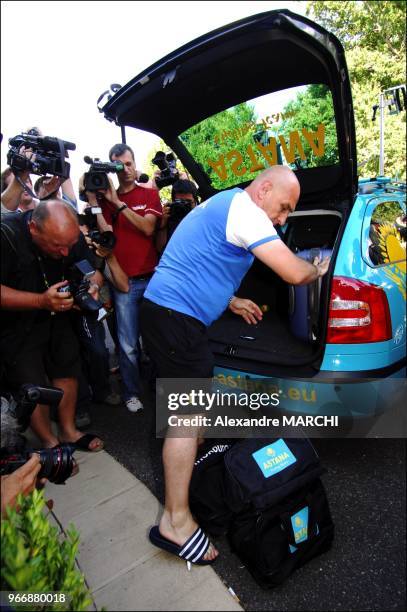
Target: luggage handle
{"points": [[291, 300]]}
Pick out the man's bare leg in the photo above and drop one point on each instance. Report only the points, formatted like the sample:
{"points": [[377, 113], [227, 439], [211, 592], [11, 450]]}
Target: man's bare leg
{"points": [[177, 523], [41, 425], [66, 412]]}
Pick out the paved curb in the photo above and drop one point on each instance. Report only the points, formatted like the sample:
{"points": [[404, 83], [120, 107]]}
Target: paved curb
{"points": [[113, 511]]}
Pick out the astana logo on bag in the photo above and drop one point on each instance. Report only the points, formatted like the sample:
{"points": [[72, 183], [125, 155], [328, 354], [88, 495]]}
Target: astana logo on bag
{"points": [[299, 522], [274, 458]]}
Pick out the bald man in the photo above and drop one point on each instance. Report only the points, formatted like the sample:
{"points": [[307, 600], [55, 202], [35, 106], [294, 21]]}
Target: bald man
{"points": [[203, 265], [37, 341]]}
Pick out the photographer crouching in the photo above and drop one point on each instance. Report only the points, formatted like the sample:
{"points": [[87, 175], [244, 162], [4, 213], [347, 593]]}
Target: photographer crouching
{"points": [[42, 251]]}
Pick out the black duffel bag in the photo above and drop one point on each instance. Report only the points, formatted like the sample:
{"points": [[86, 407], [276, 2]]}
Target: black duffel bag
{"points": [[267, 496]]}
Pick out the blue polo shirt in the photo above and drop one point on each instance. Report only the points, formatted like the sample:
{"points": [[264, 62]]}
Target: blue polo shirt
{"points": [[209, 254]]}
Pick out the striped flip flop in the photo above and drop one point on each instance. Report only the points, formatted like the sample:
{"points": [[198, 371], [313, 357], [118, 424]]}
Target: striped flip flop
{"points": [[192, 551]]}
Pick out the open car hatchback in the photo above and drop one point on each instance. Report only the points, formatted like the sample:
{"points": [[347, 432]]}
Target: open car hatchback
{"points": [[273, 89]]}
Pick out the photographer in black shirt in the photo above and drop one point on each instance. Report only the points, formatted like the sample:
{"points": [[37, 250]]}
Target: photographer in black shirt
{"points": [[184, 197], [37, 341]]}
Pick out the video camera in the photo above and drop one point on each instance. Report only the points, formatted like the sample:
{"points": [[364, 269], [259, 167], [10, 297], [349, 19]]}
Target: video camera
{"points": [[79, 283], [49, 154], [96, 177], [56, 463], [166, 162]]}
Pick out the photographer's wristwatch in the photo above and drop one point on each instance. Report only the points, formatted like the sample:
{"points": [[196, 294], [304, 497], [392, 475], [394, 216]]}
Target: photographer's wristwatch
{"points": [[119, 210]]}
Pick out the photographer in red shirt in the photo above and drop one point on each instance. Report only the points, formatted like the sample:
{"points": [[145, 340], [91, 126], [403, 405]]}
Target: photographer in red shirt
{"points": [[132, 214]]}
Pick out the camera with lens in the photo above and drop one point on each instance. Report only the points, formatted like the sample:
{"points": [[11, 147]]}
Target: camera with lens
{"points": [[96, 177], [48, 156], [179, 209], [79, 283], [167, 163], [105, 239], [16, 408]]}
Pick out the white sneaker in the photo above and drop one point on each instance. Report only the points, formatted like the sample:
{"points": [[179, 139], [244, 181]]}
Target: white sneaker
{"points": [[134, 405]]}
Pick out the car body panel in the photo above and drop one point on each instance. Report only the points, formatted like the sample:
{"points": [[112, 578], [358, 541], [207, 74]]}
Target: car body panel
{"points": [[354, 380]]}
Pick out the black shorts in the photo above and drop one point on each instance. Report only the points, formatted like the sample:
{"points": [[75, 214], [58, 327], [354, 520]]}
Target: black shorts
{"points": [[176, 342], [50, 350]]}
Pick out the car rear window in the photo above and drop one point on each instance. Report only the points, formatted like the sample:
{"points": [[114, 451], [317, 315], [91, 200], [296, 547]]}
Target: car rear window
{"points": [[387, 234], [294, 127]]}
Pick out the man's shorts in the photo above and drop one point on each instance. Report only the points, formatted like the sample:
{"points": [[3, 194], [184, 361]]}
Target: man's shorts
{"points": [[178, 346], [50, 350], [176, 342]]}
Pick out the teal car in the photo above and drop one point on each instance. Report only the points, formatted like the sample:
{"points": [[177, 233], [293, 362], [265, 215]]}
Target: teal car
{"points": [[273, 89]]}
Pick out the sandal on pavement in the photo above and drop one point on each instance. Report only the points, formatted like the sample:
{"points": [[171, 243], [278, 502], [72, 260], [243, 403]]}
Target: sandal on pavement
{"points": [[83, 443], [192, 551]]}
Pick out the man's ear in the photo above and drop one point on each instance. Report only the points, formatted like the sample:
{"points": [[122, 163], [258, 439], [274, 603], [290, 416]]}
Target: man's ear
{"points": [[32, 226], [264, 189]]}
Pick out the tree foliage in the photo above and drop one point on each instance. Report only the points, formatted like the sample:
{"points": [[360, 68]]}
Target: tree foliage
{"points": [[373, 35], [216, 136], [311, 108]]}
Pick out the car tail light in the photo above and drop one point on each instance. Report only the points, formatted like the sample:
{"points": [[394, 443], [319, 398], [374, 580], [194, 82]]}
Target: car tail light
{"points": [[358, 312]]}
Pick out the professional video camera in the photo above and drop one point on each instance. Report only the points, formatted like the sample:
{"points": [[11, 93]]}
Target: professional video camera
{"points": [[96, 177], [167, 164], [48, 157], [105, 239], [79, 284], [16, 409]]}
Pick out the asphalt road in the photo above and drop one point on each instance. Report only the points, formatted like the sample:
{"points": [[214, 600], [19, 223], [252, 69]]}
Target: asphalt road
{"points": [[366, 487]]}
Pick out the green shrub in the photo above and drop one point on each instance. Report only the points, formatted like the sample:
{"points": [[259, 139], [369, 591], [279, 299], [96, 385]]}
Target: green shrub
{"points": [[35, 558]]}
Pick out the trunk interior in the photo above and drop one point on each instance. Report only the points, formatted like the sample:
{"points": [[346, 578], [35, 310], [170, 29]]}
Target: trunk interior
{"points": [[293, 323]]}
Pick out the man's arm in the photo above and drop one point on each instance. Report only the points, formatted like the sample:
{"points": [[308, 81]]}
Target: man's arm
{"points": [[22, 481], [103, 225], [119, 277], [146, 224], [51, 299], [294, 270], [10, 198], [69, 192]]}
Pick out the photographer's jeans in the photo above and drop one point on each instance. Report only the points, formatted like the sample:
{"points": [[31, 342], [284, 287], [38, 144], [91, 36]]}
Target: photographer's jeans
{"points": [[127, 315]]}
